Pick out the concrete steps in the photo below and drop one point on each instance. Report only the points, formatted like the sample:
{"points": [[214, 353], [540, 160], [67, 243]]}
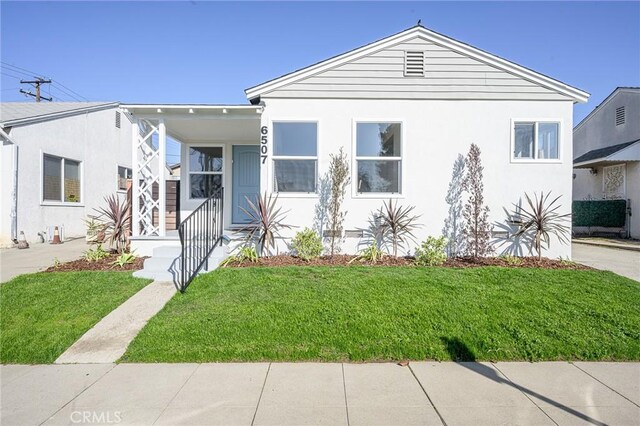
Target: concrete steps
{"points": [[164, 264]]}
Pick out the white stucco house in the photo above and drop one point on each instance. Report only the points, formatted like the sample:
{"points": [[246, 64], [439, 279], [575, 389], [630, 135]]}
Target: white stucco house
{"points": [[59, 160], [424, 96], [606, 152]]}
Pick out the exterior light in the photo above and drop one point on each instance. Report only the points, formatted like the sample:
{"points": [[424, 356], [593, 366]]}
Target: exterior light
{"points": [[159, 110], [190, 110], [224, 110]]}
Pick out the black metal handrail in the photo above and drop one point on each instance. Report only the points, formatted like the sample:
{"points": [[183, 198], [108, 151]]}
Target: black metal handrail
{"points": [[200, 233]]}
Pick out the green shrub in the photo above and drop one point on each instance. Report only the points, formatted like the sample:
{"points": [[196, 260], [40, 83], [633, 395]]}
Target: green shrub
{"points": [[371, 254], [124, 259], [245, 254], [511, 260], [431, 252], [93, 255], [307, 244]]}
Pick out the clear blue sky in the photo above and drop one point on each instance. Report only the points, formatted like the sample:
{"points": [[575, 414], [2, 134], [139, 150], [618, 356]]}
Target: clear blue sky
{"points": [[206, 52]]}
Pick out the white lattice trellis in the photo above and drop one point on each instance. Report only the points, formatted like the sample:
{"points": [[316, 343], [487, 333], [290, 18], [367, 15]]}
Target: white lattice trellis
{"points": [[148, 171]]}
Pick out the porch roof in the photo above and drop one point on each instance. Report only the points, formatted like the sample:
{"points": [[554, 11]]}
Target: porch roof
{"points": [[624, 152], [203, 122]]}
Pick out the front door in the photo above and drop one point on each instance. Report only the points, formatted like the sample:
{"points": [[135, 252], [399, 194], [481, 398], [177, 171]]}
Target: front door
{"points": [[246, 180]]}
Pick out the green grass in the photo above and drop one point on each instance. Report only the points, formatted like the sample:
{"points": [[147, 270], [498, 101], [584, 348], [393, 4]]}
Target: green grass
{"points": [[42, 314], [367, 314]]}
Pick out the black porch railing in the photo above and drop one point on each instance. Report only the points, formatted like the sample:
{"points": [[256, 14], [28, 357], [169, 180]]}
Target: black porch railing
{"points": [[200, 233]]}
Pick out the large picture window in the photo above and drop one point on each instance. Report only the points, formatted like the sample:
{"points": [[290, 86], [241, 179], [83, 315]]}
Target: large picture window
{"points": [[295, 157], [379, 157], [60, 179], [205, 170], [536, 141]]}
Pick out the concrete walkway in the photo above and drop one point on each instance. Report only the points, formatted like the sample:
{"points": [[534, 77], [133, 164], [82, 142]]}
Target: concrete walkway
{"points": [[622, 262], [39, 256], [307, 393], [108, 339]]}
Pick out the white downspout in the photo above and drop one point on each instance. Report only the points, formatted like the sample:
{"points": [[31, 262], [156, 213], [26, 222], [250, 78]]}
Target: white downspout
{"points": [[14, 187]]}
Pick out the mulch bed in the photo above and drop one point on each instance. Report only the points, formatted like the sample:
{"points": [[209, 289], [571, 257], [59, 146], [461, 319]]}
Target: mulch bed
{"points": [[458, 262], [104, 264]]}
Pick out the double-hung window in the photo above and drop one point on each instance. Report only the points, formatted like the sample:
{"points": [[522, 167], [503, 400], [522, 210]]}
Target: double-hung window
{"points": [[536, 140], [60, 179], [205, 170], [295, 157], [379, 157]]}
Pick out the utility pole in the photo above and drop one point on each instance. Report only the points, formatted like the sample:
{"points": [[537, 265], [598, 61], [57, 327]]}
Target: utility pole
{"points": [[37, 82]]}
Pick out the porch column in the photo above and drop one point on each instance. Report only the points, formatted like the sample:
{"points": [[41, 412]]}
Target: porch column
{"points": [[162, 185], [149, 170], [135, 180]]}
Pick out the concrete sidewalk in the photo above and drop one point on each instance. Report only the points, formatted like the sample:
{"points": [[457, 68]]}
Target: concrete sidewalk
{"points": [[310, 393]]}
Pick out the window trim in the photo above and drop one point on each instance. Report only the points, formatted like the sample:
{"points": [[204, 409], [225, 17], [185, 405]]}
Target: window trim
{"points": [[44, 202], [118, 165], [355, 158], [536, 160], [272, 174], [188, 164]]}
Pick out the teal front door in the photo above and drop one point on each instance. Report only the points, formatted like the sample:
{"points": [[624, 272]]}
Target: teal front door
{"points": [[245, 180]]}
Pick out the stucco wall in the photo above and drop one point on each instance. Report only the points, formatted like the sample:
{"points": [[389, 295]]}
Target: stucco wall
{"points": [[588, 185], [600, 130], [91, 138], [435, 132]]}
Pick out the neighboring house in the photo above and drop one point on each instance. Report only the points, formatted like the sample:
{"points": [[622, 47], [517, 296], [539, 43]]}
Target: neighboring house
{"points": [[59, 160], [606, 152], [403, 108]]}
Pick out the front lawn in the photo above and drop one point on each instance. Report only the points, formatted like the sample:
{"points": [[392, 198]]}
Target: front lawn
{"points": [[395, 313], [42, 314]]}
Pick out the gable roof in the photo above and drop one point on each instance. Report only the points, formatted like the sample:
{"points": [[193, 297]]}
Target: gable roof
{"points": [[603, 154], [21, 113], [606, 100], [253, 93]]}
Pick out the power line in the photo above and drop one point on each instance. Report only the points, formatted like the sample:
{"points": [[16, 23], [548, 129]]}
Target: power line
{"points": [[54, 86], [57, 84], [10, 75], [22, 70]]}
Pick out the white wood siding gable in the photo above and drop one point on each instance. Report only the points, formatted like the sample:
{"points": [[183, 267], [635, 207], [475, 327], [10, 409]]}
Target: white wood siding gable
{"points": [[451, 70]]}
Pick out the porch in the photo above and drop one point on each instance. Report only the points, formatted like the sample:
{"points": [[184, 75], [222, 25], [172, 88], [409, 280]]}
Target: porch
{"points": [[217, 146], [218, 153]]}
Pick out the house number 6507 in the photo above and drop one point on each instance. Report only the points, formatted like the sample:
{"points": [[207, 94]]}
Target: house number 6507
{"points": [[264, 130]]}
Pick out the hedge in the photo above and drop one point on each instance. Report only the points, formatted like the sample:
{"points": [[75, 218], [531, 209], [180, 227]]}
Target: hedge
{"points": [[605, 213]]}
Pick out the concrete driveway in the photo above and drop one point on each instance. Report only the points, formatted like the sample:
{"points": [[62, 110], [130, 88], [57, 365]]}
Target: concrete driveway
{"points": [[14, 262], [622, 262]]}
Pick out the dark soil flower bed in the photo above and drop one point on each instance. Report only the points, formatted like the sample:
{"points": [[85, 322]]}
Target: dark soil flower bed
{"points": [[458, 262], [105, 264]]}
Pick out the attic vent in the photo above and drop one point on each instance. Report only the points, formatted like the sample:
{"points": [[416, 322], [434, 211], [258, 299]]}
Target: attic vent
{"points": [[619, 116], [414, 64], [118, 119]]}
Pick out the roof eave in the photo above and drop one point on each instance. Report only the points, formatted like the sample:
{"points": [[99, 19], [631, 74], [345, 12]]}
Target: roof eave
{"points": [[56, 115]]}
